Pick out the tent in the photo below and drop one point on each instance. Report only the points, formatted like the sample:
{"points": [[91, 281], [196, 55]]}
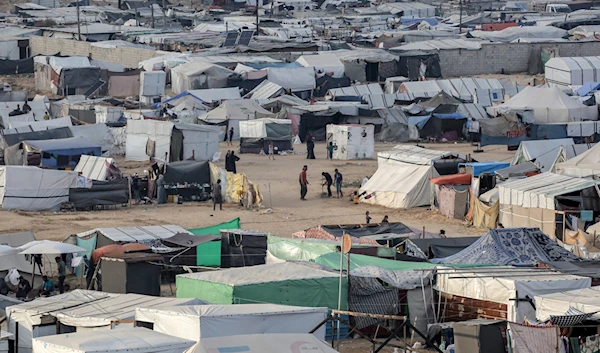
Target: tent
{"points": [[98, 168], [137, 339], [101, 193], [15, 138], [215, 95], [572, 71], [477, 168], [198, 75], [586, 300], [16, 125], [100, 237], [533, 202], [395, 127], [510, 246], [173, 141], [403, 173], [187, 172], [209, 254], [304, 286], [34, 189], [351, 141], [231, 112], [255, 135], [514, 291], [549, 105], [547, 153], [98, 134], [585, 164], [57, 154], [296, 79], [437, 248], [267, 343], [200, 322], [324, 64]]}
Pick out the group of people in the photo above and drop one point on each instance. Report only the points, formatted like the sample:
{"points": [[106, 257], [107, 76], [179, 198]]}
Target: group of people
{"points": [[48, 287], [368, 218], [328, 181]]}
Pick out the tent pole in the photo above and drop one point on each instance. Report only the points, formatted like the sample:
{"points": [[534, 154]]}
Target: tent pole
{"points": [[340, 284]]}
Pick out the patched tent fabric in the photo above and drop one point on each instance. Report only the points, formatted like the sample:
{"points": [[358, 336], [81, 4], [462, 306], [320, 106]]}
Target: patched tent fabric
{"points": [[511, 246], [237, 187]]}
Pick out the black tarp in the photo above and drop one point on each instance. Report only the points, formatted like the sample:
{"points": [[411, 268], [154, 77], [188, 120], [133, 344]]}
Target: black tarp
{"points": [[188, 172], [54, 134], [436, 127], [410, 66], [132, 273], [102, 193], [243, 248], [448, 166], [78, 80], [316, 124], [190, 240], [443, 247], [11, 67], [326, 82], [364, 230], [250, 145], [480, 336]]}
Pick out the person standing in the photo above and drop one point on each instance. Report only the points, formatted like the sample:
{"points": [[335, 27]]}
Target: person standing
{"points": [[62, 274], [367, 217], [338, 178], [135, 187], [330, 151], [310, 147], [227, 160], [271, 150], [162, 193], [217, 196], [328, 181], [303, 183], [230, 142], [231, 167], [26, 107]]}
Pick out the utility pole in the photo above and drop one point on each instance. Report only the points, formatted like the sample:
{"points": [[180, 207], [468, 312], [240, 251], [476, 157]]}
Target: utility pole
{"points": [[164, 15], [152, 13], [256, 17], [460, 6], [78, 23]]}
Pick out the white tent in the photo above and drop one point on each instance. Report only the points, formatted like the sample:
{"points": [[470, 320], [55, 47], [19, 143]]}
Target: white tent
{"points": [[99, 134], [198, 75], [268, 343], [351, 141], [95, 168], [463, 88], [258, 128], [234, 111], [500, 287], [13, 259], [586, 164], [586, 300], [402, 177], [323, 64], [15, 125], [295, 79], [123, 235], [510, 34], [530, 202], [549, 105], [567, 71], [164, 137], [207, 321], [547, 152], [136, 339], [27, 188]]}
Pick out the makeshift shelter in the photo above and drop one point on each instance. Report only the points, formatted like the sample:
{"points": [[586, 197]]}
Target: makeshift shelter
{"points": [[198, 75], [403, 173], [367, 65], [169, 142], [66, 75], [100, 194], [584, 164], [56, 154], [437, 248], [267, 343], [324, 64], [510, 246], [451, 195], [305, 286], [241, 248], [586, 300], [546, 153], [191, 172], [354, 91], [395, 127], [255, 135], [208, 321], [25, 188], [214, 95], [231, 112], [136, 339], [98, 168], [209, 253], [572, 71], [534, 201], [351, 141], [295, 79], [549, 105]]}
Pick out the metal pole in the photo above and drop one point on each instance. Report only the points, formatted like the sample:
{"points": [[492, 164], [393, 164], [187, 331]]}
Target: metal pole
{"points": [[164, 14], [152, 13], [78, 22], [340, 284], [460, 6]]}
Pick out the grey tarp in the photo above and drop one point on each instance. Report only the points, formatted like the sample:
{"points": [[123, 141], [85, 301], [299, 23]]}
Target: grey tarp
{"points": [[188, 172], [395, 125], [517, 170], [102, 193], [279, 131], [443, 247], [54, 134], [190, 240]]}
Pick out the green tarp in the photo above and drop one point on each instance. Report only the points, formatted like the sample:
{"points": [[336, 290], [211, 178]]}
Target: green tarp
{"points": [[209, 254], [332, 260], [89, 245]]}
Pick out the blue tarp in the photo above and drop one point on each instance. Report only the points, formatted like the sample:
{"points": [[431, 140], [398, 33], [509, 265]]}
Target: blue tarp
{"points": [[63, 152], [587, 88], [485, 167], [510, 246], [277, 65], [455, 116], [420, 121], [537, 132]]}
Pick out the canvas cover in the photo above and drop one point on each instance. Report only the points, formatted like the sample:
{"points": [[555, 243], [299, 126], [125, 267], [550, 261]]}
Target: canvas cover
{"points": [[586, 300], [199, 322], [232, 112], [296, 79], [187, 172], [268, 343], [26, 188], [37, 125], [407, 154], [124, 235], [19, 262], [585, 164], [324, 64], [572, 71], [16, 138], [547, 152], [136, 339], [198, 75], [97, 168], [266, 128], [510, 246], [102, 193]]}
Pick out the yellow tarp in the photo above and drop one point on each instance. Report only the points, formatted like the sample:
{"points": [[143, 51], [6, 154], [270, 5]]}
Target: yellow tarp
{"points": [[236, 187], [481, 215]]}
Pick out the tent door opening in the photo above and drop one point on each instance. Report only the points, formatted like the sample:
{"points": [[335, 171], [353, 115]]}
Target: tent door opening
{"points": [[372, 72], [176, 146]]}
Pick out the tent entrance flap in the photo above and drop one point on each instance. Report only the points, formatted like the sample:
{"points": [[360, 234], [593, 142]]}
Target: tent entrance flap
{"points": [[176, 146]]}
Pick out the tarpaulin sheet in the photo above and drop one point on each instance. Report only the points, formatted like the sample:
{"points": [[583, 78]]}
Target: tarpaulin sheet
{"points": [[54, 134], [209, 254], [189, 240], [454, 179], [10, 67], [102, 193], [295, 79], [363, 231], [187, 172], [485, 167]]}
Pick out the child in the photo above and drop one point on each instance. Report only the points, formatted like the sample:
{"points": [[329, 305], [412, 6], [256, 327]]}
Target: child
{"points": [[271, 152], [368, 217], [330, 151]]}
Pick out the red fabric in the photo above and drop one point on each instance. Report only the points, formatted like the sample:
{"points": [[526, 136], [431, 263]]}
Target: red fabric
{"points": [[108, 250], [454, 179], [134, 247]]}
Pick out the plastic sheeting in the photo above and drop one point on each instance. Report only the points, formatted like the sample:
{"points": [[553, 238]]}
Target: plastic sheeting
{"points": [[586, 300], [259, 128], [294, 79], [198, 75], [586, 164], [268, 343], [324, 64], [102, 193], [187, 172]]}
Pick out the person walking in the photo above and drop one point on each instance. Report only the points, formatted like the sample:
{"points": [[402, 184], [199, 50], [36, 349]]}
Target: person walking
{"points": [[328, 181], [162, 193], [303, 183], [62, 273], [217, 196], [367, 217], [230, 142], [330, 151], [338, 178], [271, 150], [310, 147]]}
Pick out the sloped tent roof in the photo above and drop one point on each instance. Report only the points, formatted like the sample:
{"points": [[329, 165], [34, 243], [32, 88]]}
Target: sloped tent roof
{"points": [[443, 247], [546, 152], [62, 145], [510, 246], [98, 134], [267, 343], [26, 126], [240, 109], [266, 90], [518, 170], [332, 260], [16, 138], [566, 71], [136, 339], [439, 99], [136, 234], [462, 88], [216, 94], [96, 168], [541, 191], [15, 260], [266, 127], [187, 101], [512, 33], [586, 300], [323, 63], [395, 125], [549, 105], [356, 91], [413, 155], [584, 165], [181, 73], [368, 55]]}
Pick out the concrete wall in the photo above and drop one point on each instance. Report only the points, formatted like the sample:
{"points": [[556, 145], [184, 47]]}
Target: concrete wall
{"points": [[128, 57], [513, 58]]}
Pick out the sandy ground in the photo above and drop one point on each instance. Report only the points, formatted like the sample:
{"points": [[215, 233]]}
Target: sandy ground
{"points": [[278, 181]]}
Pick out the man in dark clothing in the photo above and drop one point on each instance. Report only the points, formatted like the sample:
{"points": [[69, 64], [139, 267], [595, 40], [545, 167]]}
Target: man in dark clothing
{"points": [[217, 196], [62, 274], [230, 163], [328, 181], [26, 108], [230, 142], [310, 147], [303, 183], [23, 288], [135, 187], [338, 183]]}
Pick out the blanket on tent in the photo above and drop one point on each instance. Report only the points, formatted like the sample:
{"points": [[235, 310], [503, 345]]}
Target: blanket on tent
{"points": [[511, 246]]}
